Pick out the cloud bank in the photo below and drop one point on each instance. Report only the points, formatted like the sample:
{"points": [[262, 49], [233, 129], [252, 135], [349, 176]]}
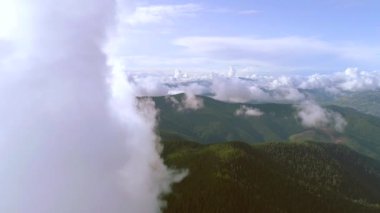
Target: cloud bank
{"points": [[239, 86], [351, 80]]}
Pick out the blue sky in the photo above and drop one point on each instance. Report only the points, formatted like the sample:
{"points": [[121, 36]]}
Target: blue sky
{"points": [[262, 36]]}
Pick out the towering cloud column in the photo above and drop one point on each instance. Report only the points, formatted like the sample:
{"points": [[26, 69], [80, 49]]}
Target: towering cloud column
{"points": [[66, 143]]}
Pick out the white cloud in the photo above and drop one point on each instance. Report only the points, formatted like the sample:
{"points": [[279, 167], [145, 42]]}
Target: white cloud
{"points": [[275, 48], [312, 115], [188, 102], [65, 137], [350, 80], [192, 102], [148, 86], [251, 45], [6, 50], [234, 11], [235, 86], [160, 13], [287, 94], [236, 90], [8, 18], [248, 112]]}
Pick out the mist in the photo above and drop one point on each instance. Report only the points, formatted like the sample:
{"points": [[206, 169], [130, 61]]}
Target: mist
{"points": [[312, 115], [73, 138], [248, 112], [188, 102]]}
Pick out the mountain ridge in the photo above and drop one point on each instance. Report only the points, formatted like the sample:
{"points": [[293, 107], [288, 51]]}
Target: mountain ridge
{"points": [[217, 121]]}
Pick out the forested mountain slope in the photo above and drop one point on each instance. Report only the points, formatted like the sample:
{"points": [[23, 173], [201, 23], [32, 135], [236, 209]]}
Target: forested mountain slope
{"points": [[217, 121], [272, 177]]}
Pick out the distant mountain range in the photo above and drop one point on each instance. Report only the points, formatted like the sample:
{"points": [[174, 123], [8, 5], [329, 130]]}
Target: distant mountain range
{"points": [[217, 122], [366, 101]]}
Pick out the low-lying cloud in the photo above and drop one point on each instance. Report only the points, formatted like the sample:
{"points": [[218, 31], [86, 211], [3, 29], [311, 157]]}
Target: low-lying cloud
{"points": [[312, 115], [245, 87], [248, 112], [188, 102]]}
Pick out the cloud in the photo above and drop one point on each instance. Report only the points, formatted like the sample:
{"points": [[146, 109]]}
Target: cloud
{"points": [[149, 86], [55, 127], [237, 86], [231, 72], [268, 49], [6, 50], [178, 74], [248, 112], [234, 11], [8, 18], [188, 102], [240, 87], [68, 128], [192, 102], [350, 80], [251, 45], [287, 94], [146, 176], [236, 90], [154, 14], [312, 115], [232, 87]]}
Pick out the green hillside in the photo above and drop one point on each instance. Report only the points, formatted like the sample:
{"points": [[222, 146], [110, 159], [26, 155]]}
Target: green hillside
{"points": [[272, 177], [364, 101], [367, 102], [217, 121], [362, 131]]}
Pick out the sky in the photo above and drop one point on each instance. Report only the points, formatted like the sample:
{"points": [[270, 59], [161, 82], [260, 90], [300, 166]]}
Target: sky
{"points": [[260, 36]]}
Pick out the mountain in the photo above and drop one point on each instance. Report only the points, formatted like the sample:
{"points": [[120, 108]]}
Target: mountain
{"points": [[217, 122], [364, 101], [271, 177], [367, 102]]}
